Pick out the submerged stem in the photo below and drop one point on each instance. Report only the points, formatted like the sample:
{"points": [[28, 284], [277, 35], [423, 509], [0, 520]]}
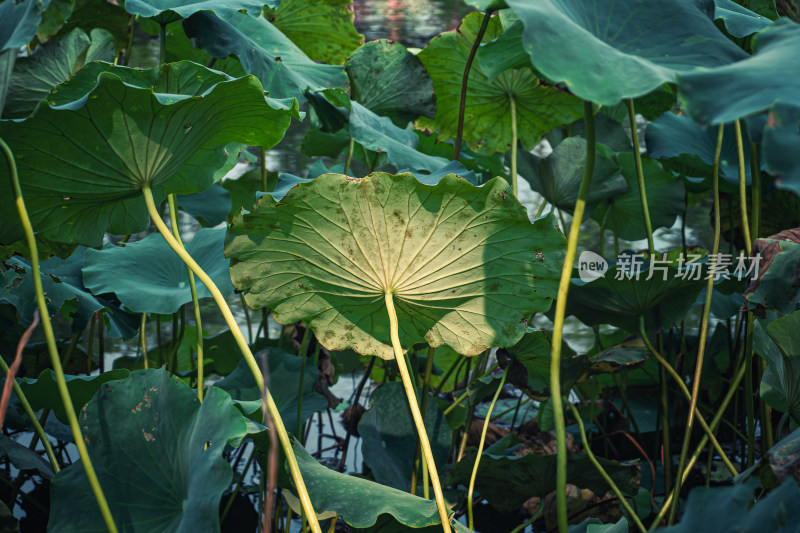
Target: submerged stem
{"points": [[248, 355], [558, 323], [66, 399], [415, 413]]}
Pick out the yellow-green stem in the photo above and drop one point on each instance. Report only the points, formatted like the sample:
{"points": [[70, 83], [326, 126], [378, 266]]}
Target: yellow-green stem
{"points": [[243, 346], [513, 145], [415, 413], [558, 324], [51, 344], [349, 156], [37, 427], [303, 353], [603, 473], [480, 447], [263, 170], [143, 339], [704, 321], [173, 217], [425, 387], [737, 128], [637, 157]]}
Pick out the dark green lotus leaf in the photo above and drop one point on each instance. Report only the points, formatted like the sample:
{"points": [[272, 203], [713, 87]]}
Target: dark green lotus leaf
{"points": [[388, 524], [42, 392], [622, 356], [18, 22], [679, 138], [731, 508], [166, 11], [739, 21], [640, 47], [487, 119], [776, 285], [620, 302], [753, 84], [284, 376], [210, 207], [389, 80], [90, 14], [595, 525], [318, 142], [53, 63], [781, 145], [135, 429], [53, 18], [65, 294], [83, 161], [784, 457], [243, 190], [380, 134], [503, 53], [281, 66], [23, 458], [148, 277], [507, 480], [781, 349], [389, 437], [323, 29], [623, 213], [452, 255], [483, 5], [558, 176], [360, 502]]}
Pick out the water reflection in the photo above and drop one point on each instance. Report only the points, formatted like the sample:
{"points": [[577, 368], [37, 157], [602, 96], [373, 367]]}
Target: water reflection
{"points": [[410, 22]]}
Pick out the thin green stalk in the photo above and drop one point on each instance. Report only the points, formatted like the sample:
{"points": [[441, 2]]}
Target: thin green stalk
{"points": [[603, 473], [520, 528], [244, 347], [465, 394], [349, 156], [37, 426], [71, 349], [415, 412], [703, 442], [755, 177], [637, 157], [129, 47], [246, 310], [303, 352], [457, 363], [737, 128], [513, 145], [425, 387], [470, 521], [748, 392], [143, 339], [703, 327], [462, 102], [263, 170], [51, 345], [173, 217], [686, 394], [558, 323], [665, 422], [162, 44]]}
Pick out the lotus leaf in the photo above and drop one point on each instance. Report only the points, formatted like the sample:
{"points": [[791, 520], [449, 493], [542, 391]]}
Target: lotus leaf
{"points": [[781, 144], [739, 21], [640, 47], [180, 485], [166, 11], [451, 255]]}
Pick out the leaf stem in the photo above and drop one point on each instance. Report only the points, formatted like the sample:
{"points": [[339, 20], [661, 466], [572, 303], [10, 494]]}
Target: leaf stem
{"points": [[415, 412], [143, 339], [349, 156], [51, 345], [637, 157], [703, 325], [603, 473], [263, 170], [558, 323], [243, 346], [480, 447], [425, 388], [513, 145], [303, 356], [462, 102], [162, 44], [737, 128]]}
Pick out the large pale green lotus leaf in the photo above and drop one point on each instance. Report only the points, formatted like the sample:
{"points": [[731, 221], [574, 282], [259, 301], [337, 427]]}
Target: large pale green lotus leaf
{"points": [[53, 63], [507, 480], [663, 299], [323, 29], [751, 85], [18, 22], [679, 138], [388, 435], [464, 263], [558, 176], [283, 68], [157, 452], [84, 158], [65, 293], [147, 277], [504, 52], [42, 392], [389, 80], [166, 11], [360, 502], [487, 119], [379, 134], [739, 21], [623, 213], [782, 144], [608, 50]]}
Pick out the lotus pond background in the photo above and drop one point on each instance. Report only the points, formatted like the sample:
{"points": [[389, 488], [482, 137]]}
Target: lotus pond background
{"points": [[375, 209]]}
